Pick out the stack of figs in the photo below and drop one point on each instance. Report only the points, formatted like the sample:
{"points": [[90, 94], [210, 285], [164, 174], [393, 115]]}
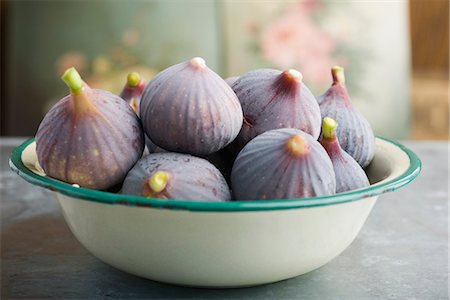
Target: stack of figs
{"points": [[188, 134]]}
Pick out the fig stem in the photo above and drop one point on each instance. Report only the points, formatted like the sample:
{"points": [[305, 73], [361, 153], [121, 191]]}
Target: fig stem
{"points": [[158, 181], [198, 62], [133, 79], [329, 126], [73, 80], [297, 145], [294, 75], [338, 75]]}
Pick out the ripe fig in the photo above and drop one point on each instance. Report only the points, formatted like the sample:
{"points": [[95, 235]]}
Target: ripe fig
{"points": [[272, 99], [349, 174], [133, 89], [283, 163], [354, 133], [90, 137], [188, 108], [176, 176]]}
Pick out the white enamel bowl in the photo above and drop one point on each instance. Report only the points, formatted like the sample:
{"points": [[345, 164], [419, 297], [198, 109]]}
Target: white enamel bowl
{"points": [[230, 244]]}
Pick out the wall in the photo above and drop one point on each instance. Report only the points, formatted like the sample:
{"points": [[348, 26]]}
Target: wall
{"points": [[105, 39]]}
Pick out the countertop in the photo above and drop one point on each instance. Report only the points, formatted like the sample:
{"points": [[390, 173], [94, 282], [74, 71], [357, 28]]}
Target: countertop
{"points": [[401, 252]]}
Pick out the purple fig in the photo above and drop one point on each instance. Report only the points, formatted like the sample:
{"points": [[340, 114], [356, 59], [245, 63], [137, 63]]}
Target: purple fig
{"points": [[354, 133], [188, 108], [349, 174], [282, 164], [272, 99], [133, 89], [90, 137], [176, 176]]}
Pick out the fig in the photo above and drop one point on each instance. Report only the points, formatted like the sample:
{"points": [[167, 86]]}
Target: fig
{"points": [[349, 174], [133, 89], [188, 108], [282, 163], [178, 176], [272, 99], [90, 137], [354, 133]]}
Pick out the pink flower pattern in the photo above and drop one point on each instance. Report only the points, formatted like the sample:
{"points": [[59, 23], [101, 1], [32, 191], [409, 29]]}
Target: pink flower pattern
{"points": [[295, 41]]}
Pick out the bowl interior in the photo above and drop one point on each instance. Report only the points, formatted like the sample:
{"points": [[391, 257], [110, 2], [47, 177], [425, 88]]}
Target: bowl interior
{"points": [[393, 166]]}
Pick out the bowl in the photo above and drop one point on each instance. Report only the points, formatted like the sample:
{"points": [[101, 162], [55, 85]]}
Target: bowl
{"points": [[226, 244]]}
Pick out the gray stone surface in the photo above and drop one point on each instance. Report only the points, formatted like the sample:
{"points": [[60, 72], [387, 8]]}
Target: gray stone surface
{"points": [[401, 252]]}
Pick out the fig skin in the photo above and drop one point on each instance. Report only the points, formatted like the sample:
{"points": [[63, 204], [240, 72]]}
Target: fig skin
{"points": [[222, 159], [90, 137], [188, 108], [273, 99], [283, 163], [186, 177], [349, 174], [354, 133], [133, 89]]}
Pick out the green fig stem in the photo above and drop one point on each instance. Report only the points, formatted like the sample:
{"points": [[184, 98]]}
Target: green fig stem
{"points": [[329, 126], [73, 80], [297, 145], [158, 181], [81, 100], [338, 75], [133, 79]]}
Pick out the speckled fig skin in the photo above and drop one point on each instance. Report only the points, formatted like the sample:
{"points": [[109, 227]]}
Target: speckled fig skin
{"points": [[132, 90], [349, 174], [91, 139], [188, 108], [273, 99], [282, 164], [354, 133], [189, 178]]}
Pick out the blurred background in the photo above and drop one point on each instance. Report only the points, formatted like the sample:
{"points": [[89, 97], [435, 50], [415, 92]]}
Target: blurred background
{"points": [[395, 52]]}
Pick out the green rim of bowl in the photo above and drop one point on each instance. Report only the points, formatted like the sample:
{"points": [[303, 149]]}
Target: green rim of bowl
{"points": [[17, 165]]}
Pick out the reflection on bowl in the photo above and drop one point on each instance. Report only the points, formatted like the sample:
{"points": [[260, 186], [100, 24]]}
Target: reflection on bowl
{"points": [[221, 244]]}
